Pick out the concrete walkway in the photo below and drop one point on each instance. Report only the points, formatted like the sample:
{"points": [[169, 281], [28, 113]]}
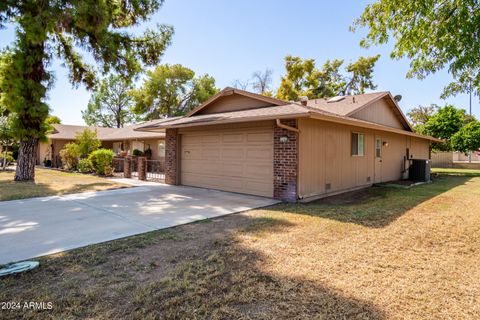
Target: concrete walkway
{"points": [[41, 226]]}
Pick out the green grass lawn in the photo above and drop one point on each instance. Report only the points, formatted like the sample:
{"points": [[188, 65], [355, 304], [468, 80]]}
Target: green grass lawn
{"points": [[380, 253], [459, 172], [52, 182]]}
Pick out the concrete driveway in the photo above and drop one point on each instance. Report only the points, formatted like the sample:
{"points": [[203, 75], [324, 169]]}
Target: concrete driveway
{"points": [[41, 226]]}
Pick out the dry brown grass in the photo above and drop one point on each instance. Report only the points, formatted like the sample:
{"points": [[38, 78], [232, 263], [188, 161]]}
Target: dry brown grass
{"points": [[51, 182], [391, 253]]}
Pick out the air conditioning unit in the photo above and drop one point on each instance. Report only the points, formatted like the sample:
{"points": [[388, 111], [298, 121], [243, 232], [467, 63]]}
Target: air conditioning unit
{"points": [[419, 170]]}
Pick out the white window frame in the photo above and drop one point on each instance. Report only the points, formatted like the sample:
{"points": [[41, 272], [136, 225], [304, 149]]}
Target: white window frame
{"points": [[161, 148], [360, 144]]}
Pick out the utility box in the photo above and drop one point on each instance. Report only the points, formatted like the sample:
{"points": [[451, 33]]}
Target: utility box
{"points": [[419, 170]]}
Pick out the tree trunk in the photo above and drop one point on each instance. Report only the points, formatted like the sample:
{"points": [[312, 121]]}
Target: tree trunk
{"points": [[25, 170]]}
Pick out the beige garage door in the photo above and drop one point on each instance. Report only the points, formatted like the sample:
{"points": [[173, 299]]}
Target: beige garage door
{"points": [[237, 160]]}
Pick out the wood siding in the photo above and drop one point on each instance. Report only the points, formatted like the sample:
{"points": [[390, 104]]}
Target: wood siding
{"points": [[327, 166], [233, 102], [380, 112]]}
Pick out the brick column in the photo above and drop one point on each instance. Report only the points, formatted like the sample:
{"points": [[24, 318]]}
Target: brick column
{"points": [[127, 168], [285, 162], [171, 144], [142, 168]]}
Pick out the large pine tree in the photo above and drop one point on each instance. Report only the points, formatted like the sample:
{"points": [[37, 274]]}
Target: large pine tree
{"points": [[65, 29]]}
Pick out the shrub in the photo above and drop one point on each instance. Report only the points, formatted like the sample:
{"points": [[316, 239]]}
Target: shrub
{"points": [[101, 161], [47, 163], [148, 153], [8, 158], [84, 166], [70, 155], [87, 142], [137, 153]]}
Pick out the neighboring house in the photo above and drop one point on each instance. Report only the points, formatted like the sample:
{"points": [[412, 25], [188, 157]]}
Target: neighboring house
{"points": [[248, 143], [118, 139]]}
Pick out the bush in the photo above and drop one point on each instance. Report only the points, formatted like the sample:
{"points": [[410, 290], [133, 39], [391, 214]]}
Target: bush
{"points": [[84, 166], [70, 155], [148, 153], [137, 153], [87, 142], [101, 161], [9, 158], [47, 163]]}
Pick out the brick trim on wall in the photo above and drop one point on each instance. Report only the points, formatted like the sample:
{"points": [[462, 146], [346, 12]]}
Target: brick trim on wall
{"points": [[171, 162], [285, 162]]}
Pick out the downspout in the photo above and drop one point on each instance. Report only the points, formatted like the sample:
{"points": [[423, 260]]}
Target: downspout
{"points": [[284, 126]]}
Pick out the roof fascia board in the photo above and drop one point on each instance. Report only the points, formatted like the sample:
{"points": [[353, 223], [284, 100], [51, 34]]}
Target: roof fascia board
{"points": [[236, 120]]}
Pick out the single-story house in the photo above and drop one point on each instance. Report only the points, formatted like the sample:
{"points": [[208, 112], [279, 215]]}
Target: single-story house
{"points": [[248, 143], [124, 139]]}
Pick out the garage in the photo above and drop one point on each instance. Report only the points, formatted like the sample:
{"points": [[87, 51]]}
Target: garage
{"points": [[229, 159]]}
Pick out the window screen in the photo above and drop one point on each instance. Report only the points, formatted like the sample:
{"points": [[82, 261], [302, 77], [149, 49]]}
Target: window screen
{"points": [[378, 148], [161, 148], [358, 144]]}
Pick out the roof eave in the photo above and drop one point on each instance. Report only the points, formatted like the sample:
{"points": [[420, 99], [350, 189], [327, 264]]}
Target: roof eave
{"points": [[227, 121], [370, 125]]}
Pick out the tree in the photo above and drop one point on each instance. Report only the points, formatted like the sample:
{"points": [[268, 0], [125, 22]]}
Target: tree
{"points": [[444, 124], [56, 29], [171, 90], [420, 115], [110, 105], [6, 136], [53, 120], [467, 139], [433, 34], [304, 79], [87, 142], [262, 82]]}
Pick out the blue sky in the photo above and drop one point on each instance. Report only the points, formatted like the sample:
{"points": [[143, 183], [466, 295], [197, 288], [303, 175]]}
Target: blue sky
{"points": [[231, 39]]}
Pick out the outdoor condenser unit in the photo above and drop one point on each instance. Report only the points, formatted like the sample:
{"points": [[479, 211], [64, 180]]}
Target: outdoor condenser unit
{"points": [[419, 170]]}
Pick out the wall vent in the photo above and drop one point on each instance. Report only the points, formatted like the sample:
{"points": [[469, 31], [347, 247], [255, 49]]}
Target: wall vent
{"points": [[368, 179], [328, 186]]}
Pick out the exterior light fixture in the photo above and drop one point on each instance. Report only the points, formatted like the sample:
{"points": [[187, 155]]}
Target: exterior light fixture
{"points": [[283, 139], [385, 143]]}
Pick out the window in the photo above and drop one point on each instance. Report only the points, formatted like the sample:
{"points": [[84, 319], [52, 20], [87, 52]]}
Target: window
{"points": [[161, 148], [358, 144], [378, 147]]}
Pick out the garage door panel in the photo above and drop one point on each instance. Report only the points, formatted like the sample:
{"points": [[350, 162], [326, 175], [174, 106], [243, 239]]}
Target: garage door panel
{"points": [[258, 171], [211, 153], [205, 167], [233, 137], [230, 160], [233, 153], [260, 153], [211, 139], [191, 140], [232, 170], [260, 137]]}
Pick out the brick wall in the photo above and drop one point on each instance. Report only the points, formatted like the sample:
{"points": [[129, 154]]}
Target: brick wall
{"points": [[171, 143], [285, 162]]}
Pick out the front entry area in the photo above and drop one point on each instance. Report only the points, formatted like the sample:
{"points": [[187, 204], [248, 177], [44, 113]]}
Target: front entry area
{"points": [[378, 159], [237, 160]]}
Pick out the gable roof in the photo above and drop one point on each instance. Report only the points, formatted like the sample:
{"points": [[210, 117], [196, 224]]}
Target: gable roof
{"points": [[339, 112], [68, 132], [352, 104], [229, 91]]}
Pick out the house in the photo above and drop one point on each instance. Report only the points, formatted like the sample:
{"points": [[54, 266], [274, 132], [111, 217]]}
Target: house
{"points": [[118, 139], [248, 143]]}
